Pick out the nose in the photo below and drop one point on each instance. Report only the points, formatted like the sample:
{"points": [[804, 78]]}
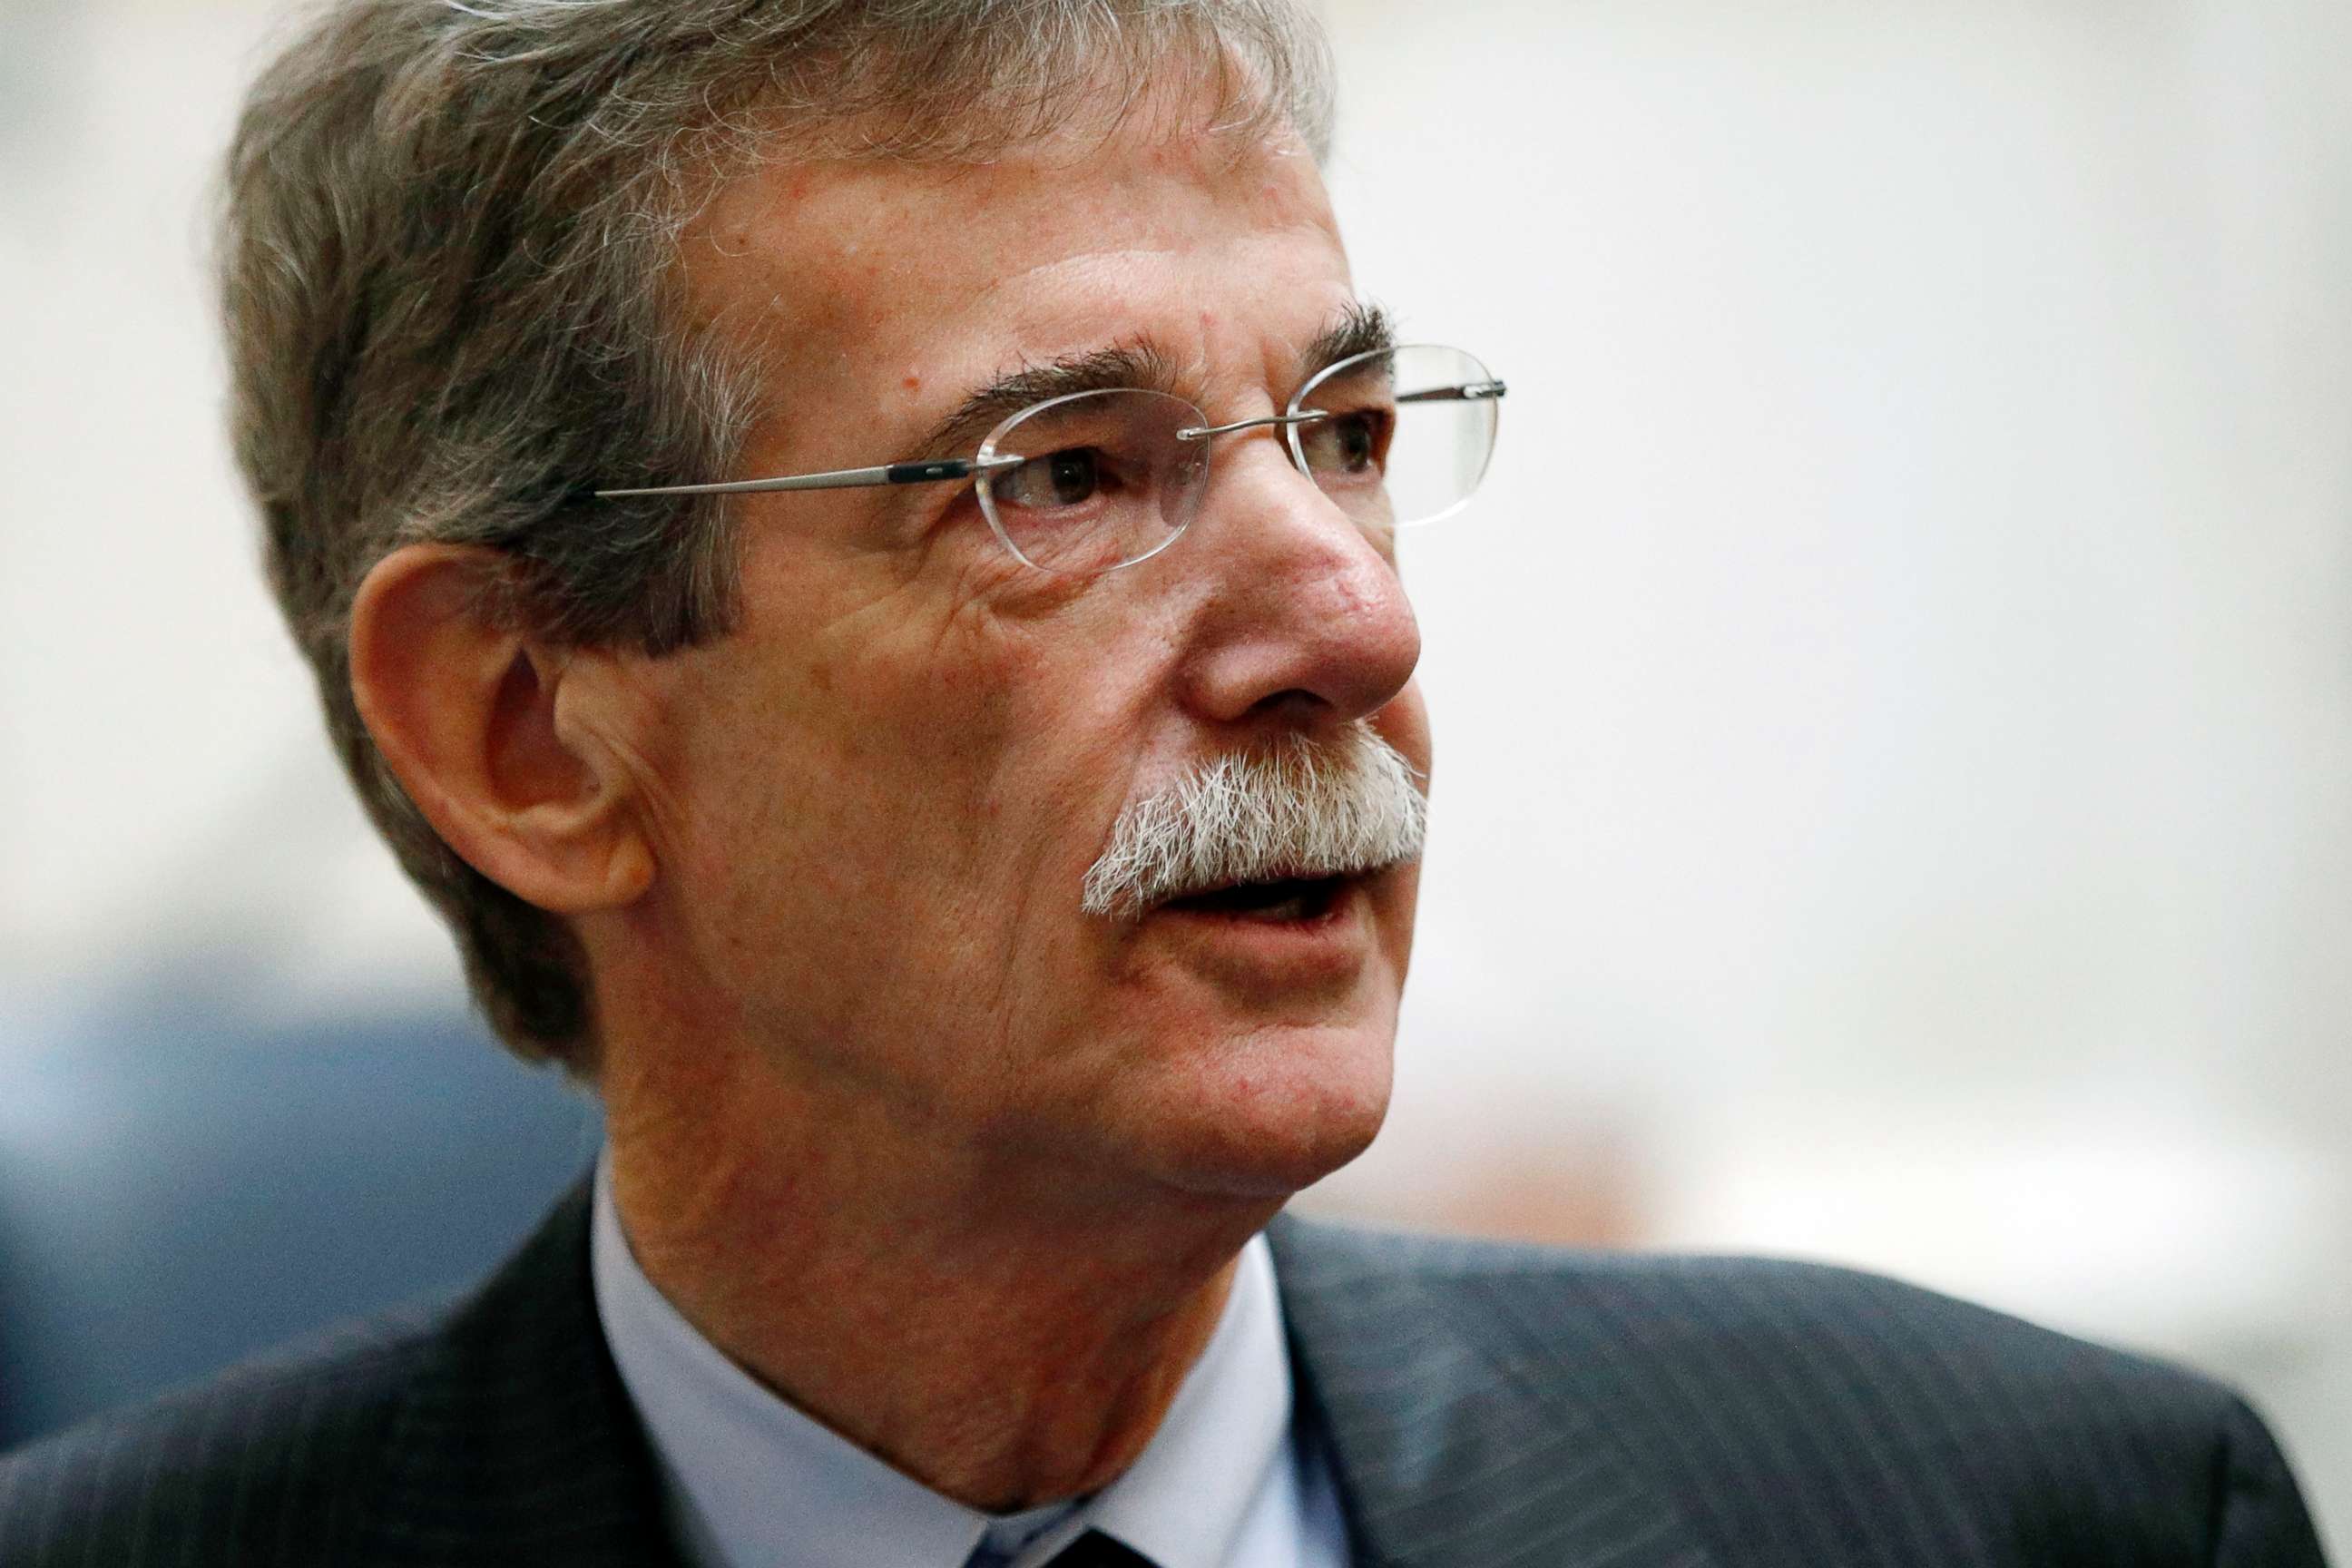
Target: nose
{"points": [[1303, 616]]}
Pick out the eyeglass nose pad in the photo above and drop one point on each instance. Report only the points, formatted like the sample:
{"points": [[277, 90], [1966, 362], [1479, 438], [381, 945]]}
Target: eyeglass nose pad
{"points": [[1187, 479]]}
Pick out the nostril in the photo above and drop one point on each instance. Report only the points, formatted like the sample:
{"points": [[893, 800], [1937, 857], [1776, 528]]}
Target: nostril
{"points": [[1294, 706], [1301, 614]]}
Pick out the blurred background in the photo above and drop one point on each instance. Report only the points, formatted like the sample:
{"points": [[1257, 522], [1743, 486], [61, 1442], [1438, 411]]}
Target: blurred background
{"points": [[1892, 698]]}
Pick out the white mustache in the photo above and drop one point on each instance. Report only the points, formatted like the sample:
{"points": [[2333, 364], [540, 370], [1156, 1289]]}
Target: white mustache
{"points": [[1305, 809]]}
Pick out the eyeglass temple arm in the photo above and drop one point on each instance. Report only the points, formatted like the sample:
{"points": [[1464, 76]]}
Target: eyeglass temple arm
{"points": [[1469, 392], [955, 469], [837, 480]]}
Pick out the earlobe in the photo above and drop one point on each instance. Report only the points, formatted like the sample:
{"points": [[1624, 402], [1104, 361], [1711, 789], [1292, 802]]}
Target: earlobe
{"points": [[463, 705]]}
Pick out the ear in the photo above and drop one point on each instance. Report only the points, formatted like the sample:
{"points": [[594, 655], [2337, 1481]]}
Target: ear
{"points": [[464, 709]]}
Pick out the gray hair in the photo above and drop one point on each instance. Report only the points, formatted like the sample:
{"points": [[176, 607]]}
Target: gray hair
{"points": [[1304, 809], [449, 269]]}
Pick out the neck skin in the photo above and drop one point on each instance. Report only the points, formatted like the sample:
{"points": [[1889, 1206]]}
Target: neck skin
{"points": [[1007, 1331]]}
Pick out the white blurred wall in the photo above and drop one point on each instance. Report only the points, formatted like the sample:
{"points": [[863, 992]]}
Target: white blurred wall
{"points": [[1892, 704], [1891, 794]]}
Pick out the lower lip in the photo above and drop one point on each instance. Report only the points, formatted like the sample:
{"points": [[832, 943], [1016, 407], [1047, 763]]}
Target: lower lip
{"points": [[1330, 945]]}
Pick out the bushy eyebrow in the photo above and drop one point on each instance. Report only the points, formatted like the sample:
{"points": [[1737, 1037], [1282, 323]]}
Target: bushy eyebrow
{"points": [[1123, 365], [1363, 328], [1360, 328]]}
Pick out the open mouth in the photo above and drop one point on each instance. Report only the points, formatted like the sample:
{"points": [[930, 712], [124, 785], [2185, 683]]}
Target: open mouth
{"points": [[1280, 899]]}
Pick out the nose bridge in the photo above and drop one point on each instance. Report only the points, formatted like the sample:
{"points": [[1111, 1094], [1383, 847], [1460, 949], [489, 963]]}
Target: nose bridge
{"points": [[1306, 604]]}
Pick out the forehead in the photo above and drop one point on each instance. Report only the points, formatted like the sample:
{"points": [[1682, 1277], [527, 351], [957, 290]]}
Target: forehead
{"points": [[914, 281]]}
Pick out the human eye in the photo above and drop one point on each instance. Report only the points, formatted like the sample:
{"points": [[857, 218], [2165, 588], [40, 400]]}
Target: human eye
{"points": [[1349, 443], [1066, 478], [1093, 480]]}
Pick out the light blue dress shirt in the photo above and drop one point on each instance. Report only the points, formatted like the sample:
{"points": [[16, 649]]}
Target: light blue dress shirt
{"points": [[753, 1483]]}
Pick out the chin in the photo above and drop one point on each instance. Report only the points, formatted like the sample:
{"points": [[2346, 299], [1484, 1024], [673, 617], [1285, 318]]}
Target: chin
{"points": [[1274, 1113]]}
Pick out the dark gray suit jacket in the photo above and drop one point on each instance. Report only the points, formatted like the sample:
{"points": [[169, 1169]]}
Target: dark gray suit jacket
{"points": [[1482, 1405]]}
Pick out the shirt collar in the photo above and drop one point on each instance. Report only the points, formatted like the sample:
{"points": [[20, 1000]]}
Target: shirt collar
{"points": [[1183, 1500], [753, 1482]]}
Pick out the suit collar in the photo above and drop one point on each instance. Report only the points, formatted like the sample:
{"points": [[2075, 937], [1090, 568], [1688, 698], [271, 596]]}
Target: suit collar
{"points": [[1450, 1429], [516, 1444], [1452, 1435]]}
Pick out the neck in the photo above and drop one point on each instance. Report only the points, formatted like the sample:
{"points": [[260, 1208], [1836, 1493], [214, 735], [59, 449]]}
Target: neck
{"points": [[1007, 1330]]}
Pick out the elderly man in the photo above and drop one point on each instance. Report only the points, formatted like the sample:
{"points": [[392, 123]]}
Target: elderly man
{"points": [[849, 548]]}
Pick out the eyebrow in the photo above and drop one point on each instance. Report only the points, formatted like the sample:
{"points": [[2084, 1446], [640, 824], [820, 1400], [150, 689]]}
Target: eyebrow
{"points": [[1363, 327], [1122, 364]]}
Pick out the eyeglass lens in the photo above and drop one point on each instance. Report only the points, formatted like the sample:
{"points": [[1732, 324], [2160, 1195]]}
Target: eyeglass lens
{"points": [[1107, 481], [1402, 445], [1110, 477]]}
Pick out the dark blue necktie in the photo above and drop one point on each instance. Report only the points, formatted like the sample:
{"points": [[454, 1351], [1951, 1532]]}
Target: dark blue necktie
{"points": [[1096, 1550]]}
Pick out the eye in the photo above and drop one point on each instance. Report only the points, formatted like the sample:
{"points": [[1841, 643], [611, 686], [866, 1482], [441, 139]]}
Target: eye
{"points": [[1071, 477], [1354, 443]]}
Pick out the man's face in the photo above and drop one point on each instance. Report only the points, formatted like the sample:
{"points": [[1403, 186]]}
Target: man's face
{"points": [[876, 803]]}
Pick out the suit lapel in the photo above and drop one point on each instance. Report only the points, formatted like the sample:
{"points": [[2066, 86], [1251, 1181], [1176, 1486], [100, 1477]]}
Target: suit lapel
{"points": [[1453, 1441], [517, 1445]]}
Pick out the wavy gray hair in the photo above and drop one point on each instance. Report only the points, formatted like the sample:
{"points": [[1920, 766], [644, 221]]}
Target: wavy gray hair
{"points": [[449, 271]]}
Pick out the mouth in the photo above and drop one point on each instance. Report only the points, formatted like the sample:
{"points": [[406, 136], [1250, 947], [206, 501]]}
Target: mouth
{"points": [[1274, 936], [1275, 902]]}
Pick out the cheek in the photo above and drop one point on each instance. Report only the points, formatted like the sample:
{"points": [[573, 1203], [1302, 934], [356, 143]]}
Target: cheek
{"points": [[1394, 915], [912, 757], [909, 756], [1404, 724]]}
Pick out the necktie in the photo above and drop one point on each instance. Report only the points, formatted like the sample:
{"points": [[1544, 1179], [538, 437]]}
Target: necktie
{"points": [[1096, 1550]]}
